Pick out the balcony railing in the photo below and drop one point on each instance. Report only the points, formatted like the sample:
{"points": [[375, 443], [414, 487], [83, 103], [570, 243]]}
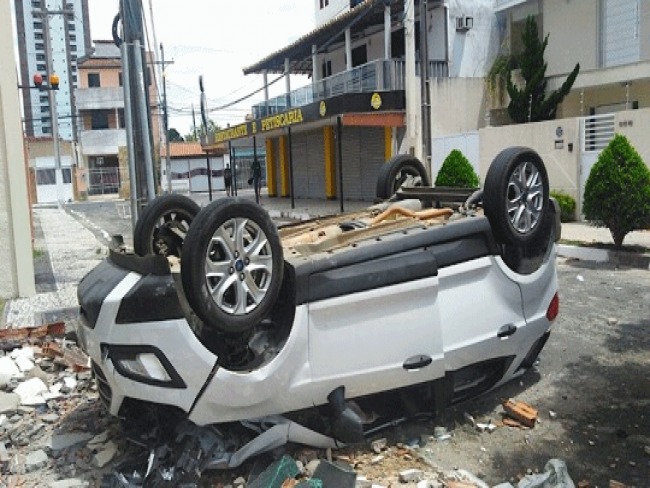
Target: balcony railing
{"points": [[377, 75], [99, 98]]}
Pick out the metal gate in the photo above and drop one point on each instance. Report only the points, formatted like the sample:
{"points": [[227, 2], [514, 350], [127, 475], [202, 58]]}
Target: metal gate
{"points": [[363, 155], [102, 181], [596, 132]]}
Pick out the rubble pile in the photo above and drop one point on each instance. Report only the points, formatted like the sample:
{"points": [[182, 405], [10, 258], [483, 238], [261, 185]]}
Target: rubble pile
{"points": [[53, 430]]}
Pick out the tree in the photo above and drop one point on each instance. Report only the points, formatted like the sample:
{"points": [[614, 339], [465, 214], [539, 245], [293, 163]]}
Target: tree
{"points": [[617, 192], [174, 136], [212, 127], [457, 171], [530, 104]]}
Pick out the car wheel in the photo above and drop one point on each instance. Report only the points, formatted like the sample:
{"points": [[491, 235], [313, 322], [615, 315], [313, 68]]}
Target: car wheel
{"points": [[516, 197], [232, 265], [163, 224], [400, 170]]}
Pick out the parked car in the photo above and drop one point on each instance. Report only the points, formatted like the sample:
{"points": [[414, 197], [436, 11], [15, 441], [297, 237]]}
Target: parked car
{"points": [[227, 318]]}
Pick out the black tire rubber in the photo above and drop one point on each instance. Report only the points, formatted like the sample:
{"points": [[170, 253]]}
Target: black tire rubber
{"points": [[199, 243], [495, 197], [388, 181], [151, 236]]}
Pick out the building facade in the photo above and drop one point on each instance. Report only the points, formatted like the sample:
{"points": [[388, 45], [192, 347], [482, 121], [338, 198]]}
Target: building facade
{"points": [[64, 26], [100, 106]]}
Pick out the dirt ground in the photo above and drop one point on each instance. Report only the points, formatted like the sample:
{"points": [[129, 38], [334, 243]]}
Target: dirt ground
{"points": [[591, 387]]}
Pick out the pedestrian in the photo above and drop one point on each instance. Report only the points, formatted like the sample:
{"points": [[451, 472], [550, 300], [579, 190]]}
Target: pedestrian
{"points": [[256, 169], [227, 180]]}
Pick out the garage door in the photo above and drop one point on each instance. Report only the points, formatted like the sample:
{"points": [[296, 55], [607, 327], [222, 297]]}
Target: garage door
{"points": [[363, 155], [309, 165]]}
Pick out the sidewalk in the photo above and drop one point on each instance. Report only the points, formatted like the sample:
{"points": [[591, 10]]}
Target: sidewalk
{"points": [[73, 250]]}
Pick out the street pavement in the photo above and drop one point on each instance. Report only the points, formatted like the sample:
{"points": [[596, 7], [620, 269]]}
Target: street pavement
{"points": [[70, 241]]}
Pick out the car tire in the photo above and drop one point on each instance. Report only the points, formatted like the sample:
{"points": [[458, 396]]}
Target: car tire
{"points": [[395, 172], [516, 197], [232, 265], [163, 224]]}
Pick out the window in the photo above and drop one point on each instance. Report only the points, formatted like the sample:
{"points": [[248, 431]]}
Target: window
{"points": [[67, 175], [40, 57], [40, 46], [38, 25], [74, 79], [354, 3], [46, 130], [73, 57], [120, 119], [73, 37], [36, 4], [73, 47], [359, 56], [45, 120], [93, 80], [45, 176], [324, 3], [326, 69], [99, 120], [41, 67], [44, 99], [71, 27], [38, 36], [119, 77], [45, 109]]}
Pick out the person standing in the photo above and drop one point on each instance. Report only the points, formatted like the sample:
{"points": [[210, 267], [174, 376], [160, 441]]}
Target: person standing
{"points": [[256, 169], [227, 180]]}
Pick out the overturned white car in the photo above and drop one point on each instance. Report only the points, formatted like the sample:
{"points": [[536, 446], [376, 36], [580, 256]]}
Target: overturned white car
{"points": [[227, 318]]}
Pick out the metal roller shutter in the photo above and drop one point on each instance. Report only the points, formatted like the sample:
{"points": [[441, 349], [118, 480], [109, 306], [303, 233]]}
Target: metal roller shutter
{"points": [[300, 172], [363, 155], [309, 165]]}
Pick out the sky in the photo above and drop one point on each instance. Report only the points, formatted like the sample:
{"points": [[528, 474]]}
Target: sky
{"points": [[216, 39]]}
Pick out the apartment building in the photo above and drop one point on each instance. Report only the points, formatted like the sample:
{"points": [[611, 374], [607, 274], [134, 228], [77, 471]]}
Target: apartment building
{"points": [[65, 25], [100, 106]]}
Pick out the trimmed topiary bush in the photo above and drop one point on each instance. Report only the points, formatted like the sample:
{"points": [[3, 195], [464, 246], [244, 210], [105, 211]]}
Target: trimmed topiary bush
{"points": [[567, 206], [617, 192], [457, 171]]}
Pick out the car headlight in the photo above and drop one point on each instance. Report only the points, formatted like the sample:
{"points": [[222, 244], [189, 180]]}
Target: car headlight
{"points": [[146, 364]]}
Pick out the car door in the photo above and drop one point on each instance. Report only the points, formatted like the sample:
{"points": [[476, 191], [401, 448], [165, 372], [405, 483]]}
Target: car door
{"points": [[381, 330]]}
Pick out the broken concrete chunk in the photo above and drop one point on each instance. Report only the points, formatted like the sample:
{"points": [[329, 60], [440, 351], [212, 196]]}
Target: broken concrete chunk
{"points": [[363, 482], [24, 363], [9, 402], [475, 480], [69, 483], [276, 474], [8, 367], [411, 475], [378, 445], [30, 391], [336, 474], [23, 352], [63, 441], [35, 460], [105, 455], [98, 439]]}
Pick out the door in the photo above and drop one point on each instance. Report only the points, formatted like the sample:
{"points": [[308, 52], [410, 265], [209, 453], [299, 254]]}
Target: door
{"points": [[620, 32]]}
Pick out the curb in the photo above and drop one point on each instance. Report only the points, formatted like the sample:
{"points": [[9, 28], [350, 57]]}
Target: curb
{"points": [[617, 258]]}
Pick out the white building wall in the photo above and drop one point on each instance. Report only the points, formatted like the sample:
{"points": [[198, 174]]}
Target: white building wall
{"points": [[334, 8], [15, 220], [472, 52]]}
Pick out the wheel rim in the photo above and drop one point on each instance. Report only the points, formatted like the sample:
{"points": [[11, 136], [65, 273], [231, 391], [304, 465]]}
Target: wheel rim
{"points": [[169, 233], [407, 177], [238, 266], [525, 199]]}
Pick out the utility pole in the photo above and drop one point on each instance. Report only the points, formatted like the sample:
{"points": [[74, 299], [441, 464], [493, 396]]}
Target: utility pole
{"points": [[168, 163], [54, 115]]}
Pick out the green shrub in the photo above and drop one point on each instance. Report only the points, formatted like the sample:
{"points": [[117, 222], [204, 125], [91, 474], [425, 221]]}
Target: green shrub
{"points": [[617, 192], [457, 171], [567, 206]]}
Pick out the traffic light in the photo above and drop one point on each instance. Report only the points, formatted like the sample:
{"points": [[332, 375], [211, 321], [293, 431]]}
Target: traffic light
{"points": [[54, 81], [38, 80]]}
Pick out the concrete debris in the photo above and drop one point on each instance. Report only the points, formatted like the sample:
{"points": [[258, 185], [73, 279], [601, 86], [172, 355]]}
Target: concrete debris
{"points": [[35, 460], [555, 474], [411, 475], [9, 403], [8, 367], [105, 455], [31, 392], [63, 441], [378, 445], [69, 483]]}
